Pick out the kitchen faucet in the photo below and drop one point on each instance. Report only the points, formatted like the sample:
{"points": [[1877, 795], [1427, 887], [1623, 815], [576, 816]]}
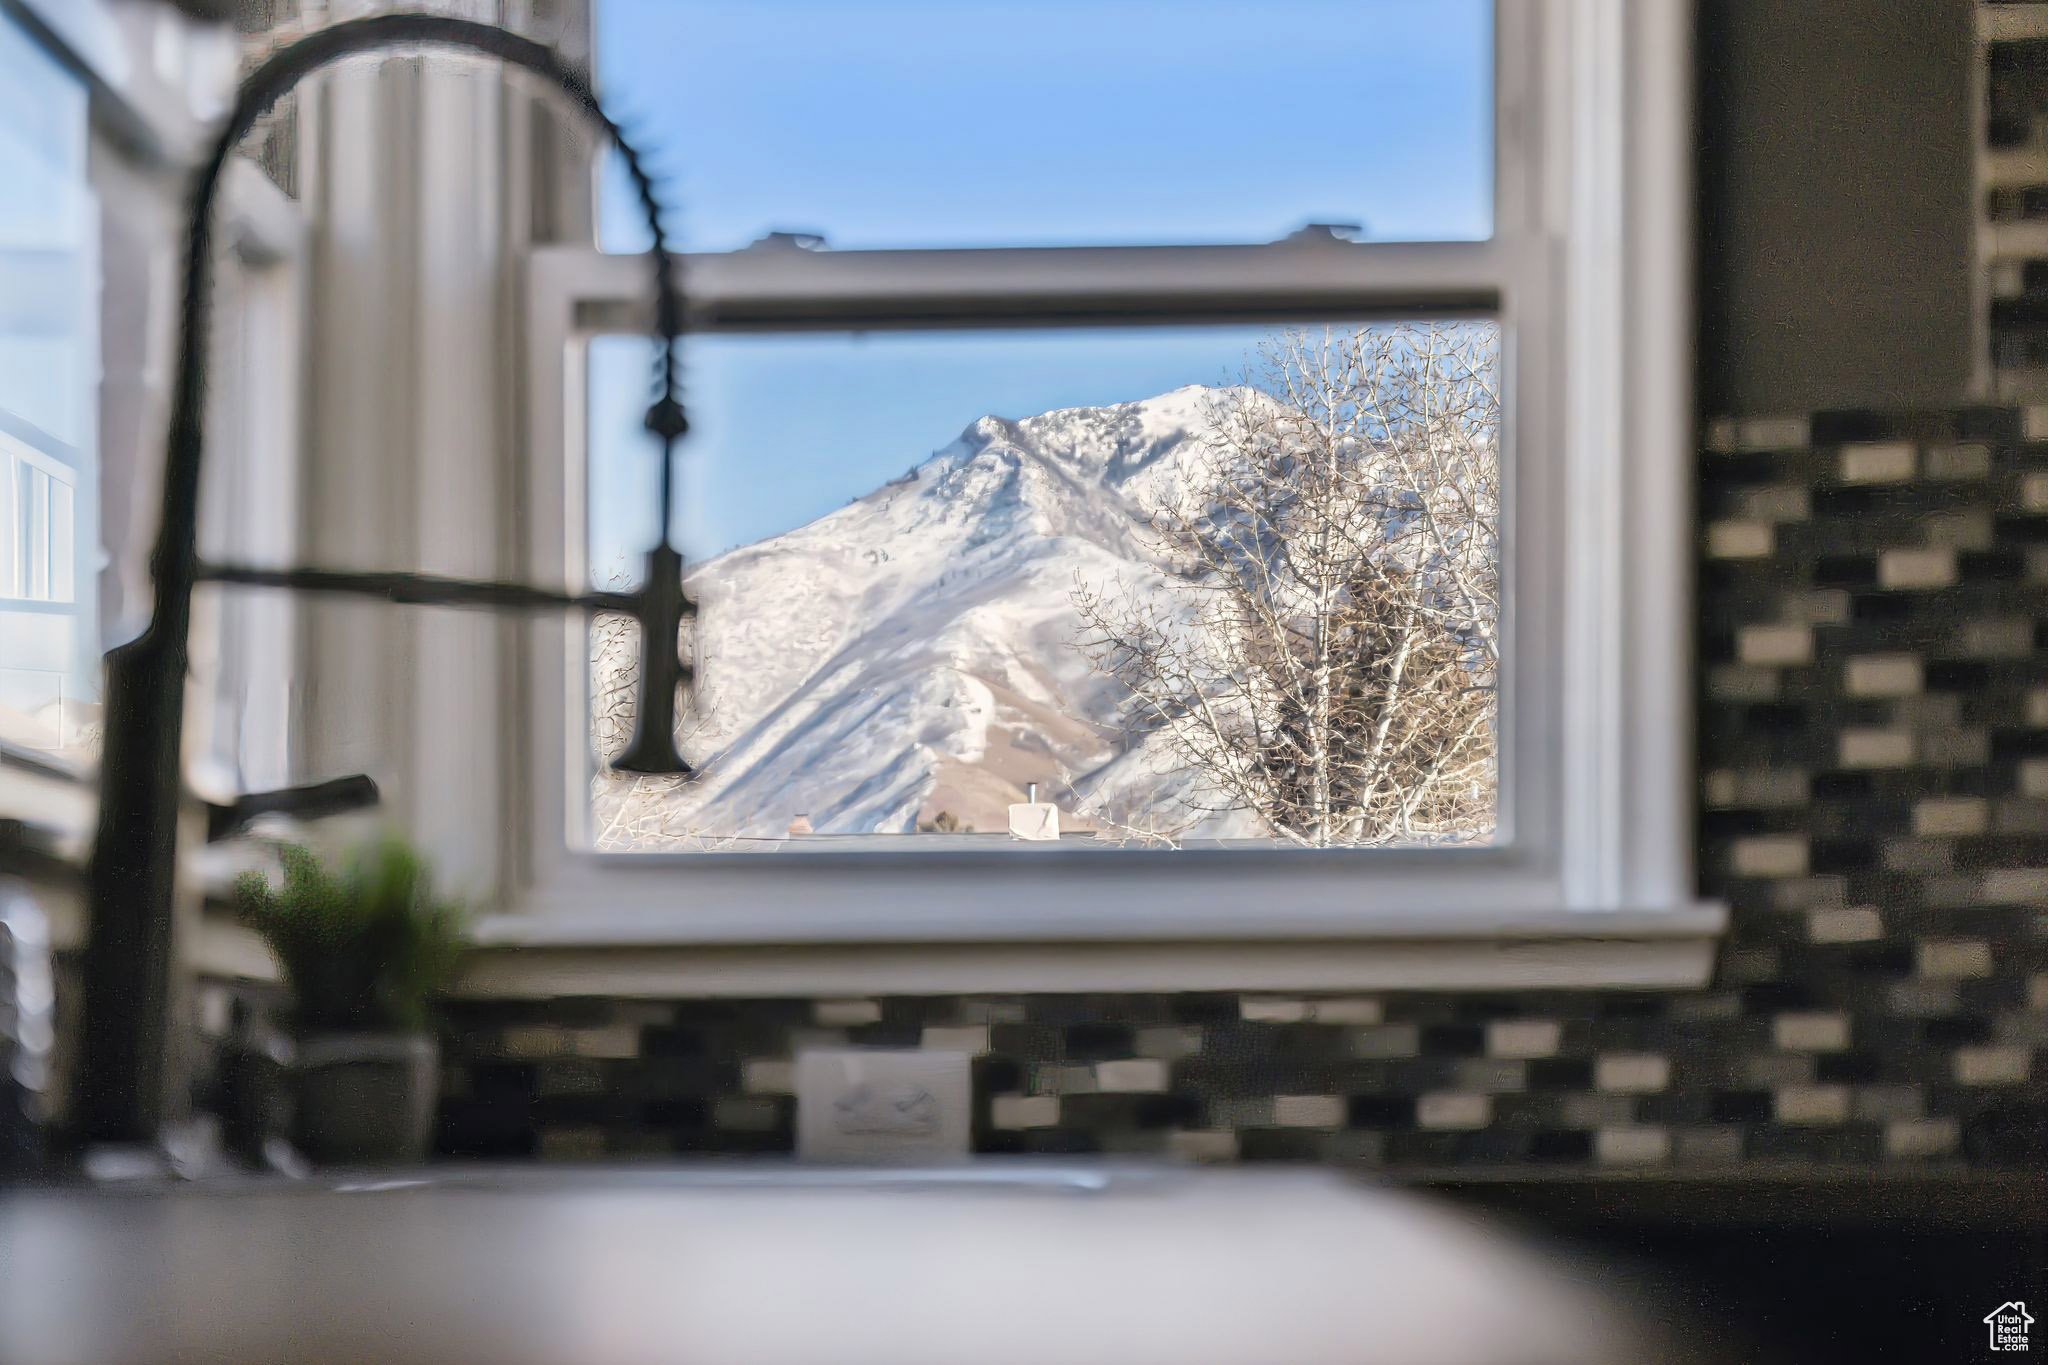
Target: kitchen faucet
{"points": [[130, 881]]}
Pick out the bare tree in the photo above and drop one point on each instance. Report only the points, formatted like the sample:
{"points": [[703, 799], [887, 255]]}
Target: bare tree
{"points": [[1324, 650]]}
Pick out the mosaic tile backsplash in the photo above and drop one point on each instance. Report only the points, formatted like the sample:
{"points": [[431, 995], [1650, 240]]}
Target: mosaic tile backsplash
{"points": [[2013, 200], [1873, 754]]}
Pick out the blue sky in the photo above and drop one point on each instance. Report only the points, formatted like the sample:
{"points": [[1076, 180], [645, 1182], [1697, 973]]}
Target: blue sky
{"points": [[954, 122]]}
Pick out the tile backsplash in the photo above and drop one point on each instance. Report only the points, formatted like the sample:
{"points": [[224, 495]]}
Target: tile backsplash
{"points": [[1873, 766]]}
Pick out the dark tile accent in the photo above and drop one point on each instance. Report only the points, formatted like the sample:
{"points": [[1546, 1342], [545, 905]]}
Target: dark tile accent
{"points": [[1561, 1073], [1561, 1145], [1381, 1111], [1097, 1042], [1848, 1068], [1454, 1040], [1740, 1106], [667, 1041], [1959, 1030], [997, 1075], [1282, 1144], [1882, 959], [1204, 1009]]}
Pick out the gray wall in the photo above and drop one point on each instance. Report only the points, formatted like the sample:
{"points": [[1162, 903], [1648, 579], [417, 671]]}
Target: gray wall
{"points": [[1837, 145]]}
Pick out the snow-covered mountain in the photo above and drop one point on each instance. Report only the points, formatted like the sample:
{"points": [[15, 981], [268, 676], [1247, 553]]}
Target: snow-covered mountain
{"points": [[913, 652]]}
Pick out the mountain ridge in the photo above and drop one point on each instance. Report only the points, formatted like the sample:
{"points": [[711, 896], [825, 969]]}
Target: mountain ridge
{"points": [[912, 652]]}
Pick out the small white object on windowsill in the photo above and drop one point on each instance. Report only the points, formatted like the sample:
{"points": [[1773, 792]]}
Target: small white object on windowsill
{"points": [[1034, 819]]}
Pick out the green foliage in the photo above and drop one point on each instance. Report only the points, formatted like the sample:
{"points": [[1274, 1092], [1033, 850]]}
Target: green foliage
{"points": [[365, 947]]}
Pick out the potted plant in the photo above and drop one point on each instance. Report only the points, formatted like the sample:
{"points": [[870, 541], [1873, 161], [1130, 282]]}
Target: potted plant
{"points": [[363, 948]]}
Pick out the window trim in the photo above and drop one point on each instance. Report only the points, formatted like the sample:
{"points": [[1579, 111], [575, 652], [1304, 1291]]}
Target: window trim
{"points": [[252, 506], [18, 587], [1590, 248]]}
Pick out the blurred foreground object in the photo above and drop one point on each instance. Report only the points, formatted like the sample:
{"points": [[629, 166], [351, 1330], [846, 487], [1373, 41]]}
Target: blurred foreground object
{"points": [[131, 879], [768, 1264], [28, 1025]]}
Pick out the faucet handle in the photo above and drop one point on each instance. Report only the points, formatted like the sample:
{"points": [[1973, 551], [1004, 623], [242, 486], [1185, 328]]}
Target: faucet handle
{"points": [[307, 802]]}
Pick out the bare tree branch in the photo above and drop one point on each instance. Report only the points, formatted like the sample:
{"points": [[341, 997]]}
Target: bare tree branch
{"points": [[1326, 654]]}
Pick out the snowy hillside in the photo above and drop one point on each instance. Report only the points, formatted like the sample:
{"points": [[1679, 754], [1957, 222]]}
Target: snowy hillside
{"points": [[911, 653]]}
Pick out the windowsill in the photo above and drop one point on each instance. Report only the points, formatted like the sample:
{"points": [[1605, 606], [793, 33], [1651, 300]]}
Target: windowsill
{"points": [[658, 953]]}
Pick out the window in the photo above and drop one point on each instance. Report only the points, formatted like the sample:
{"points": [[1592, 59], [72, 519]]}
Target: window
{"points": [[94, 197], [823, 370], [48, 392], [1154, 587], [39, 562]]}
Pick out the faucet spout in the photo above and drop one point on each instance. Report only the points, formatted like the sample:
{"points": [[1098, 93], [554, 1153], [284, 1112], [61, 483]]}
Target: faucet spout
{"points": [[130, 879]]}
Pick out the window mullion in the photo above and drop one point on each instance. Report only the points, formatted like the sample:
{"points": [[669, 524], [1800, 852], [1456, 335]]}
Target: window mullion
{"points": [[791, 289]]}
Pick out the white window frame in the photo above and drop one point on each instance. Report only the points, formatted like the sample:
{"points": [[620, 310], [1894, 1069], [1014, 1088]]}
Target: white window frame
{"points": [[38, 559], [1591, 881], [245, 646]]}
